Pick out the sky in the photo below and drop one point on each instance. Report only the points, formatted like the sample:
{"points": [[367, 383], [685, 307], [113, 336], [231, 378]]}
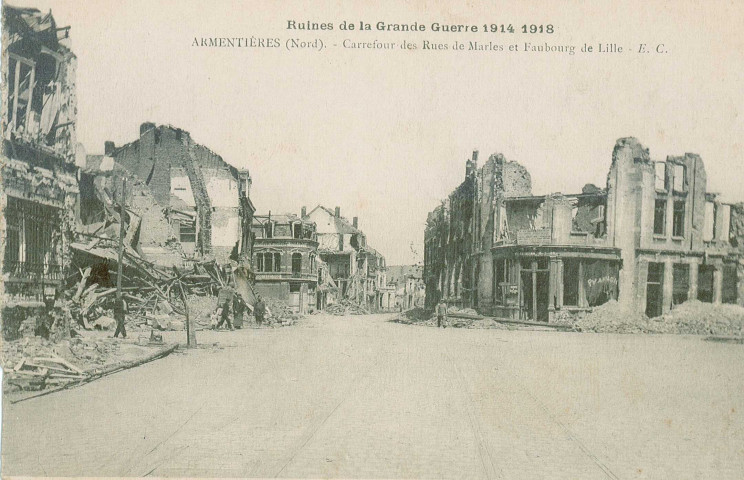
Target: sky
{"points": [[385, 134]]}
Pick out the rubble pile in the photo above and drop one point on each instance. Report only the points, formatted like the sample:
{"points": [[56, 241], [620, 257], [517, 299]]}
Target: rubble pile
{"points": [[419, 316], [34, 363], [698, 318], [461, 311], [153, 295], [346, 307], [613, 317], [279, 313], [692, 317]]}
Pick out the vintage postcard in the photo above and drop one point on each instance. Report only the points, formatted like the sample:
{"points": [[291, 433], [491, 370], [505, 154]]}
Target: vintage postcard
{"points": [[324, 239]]}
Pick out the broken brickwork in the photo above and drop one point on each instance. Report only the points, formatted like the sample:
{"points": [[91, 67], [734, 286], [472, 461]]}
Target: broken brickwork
{"points": [[205, 200], [39, 184], [470, 221], [652, 239]]}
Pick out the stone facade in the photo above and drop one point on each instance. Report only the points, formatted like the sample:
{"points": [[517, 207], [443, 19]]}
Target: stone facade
{"points": [[205, 200], [357, 269], [39, 196], [643, 240], [285, 259]]}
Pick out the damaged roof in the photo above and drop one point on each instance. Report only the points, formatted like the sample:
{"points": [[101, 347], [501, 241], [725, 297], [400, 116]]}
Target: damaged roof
{"points": [[41, 26], [280, 218], [342, 225]]}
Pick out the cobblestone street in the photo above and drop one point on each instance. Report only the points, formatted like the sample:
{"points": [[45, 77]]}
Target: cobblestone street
{"points": [[363, 397]]}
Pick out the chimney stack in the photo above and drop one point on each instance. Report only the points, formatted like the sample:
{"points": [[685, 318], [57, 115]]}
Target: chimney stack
{"points": [[356, 222], [108, 147], [145, 127], [304, 212], [338, 212]]}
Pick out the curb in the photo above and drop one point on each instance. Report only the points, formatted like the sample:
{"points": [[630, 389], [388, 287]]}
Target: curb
{"points": [[116, 367]]}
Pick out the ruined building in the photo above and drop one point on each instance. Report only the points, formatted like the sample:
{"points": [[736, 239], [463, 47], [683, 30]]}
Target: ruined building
{"points": [[188, 202], [39, 184], [652, 238], [286, 263], [356, 268]]}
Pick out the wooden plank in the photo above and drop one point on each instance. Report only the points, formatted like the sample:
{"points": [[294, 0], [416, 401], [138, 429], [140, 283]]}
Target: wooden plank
{"points": [[61, 361], [36, 365], [20, 364]]}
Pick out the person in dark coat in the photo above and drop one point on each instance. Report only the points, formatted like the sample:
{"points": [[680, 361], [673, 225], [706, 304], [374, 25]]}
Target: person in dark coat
{"points": [[224, 302], [120, 310], [259, 310], [442, 314]]}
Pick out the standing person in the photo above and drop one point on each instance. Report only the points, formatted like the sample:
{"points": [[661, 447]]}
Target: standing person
{"points": [[259, 310], [442, 314], [120, 310], [224, 302]]}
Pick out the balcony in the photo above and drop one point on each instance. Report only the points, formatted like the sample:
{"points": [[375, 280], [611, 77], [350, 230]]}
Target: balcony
{"points": [[286, 276], [27, 271]]}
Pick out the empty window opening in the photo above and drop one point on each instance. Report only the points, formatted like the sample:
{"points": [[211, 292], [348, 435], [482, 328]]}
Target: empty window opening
{"points": [[296, 262], [678, 219], [187, 231], [660, 217], [679, 178], [660, 180], [709, 228]]}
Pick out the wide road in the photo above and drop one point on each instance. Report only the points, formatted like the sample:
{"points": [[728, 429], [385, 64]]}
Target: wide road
{"points": [[362, 397]]}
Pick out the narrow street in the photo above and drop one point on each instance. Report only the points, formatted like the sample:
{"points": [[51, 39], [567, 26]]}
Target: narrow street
{"points": [[360, 396]]}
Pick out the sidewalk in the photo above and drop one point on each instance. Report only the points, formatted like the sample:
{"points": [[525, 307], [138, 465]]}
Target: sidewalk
{"points": [[33, 366]]}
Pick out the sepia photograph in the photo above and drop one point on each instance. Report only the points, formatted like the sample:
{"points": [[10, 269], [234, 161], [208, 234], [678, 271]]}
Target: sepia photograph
{"points": [[399, 240]]}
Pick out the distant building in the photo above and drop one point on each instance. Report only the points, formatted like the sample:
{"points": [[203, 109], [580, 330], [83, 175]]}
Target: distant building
{"points": [[286, 263], [408, 281], [39, 177], [357, 269], [191, 203], [653, 238]]}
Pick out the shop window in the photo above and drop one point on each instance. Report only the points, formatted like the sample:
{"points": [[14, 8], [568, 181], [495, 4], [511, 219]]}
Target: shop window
{"points": [[571, 282], [296, 262], [705, 283], [498, 278], [680, 283], [187, 231], [678, 219], [295, 287], [729, 287], [660, 217], [654, 289]]}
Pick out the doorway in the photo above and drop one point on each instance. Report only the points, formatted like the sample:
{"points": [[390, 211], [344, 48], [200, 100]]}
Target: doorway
{"points": [[535, 288]]}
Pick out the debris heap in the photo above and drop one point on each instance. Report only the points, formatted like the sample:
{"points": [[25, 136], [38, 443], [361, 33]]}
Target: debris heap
{"points": [[346, 307], [692, 317]]}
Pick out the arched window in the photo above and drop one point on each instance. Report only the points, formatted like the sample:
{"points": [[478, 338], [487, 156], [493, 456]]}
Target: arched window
{"points": [[296, 262], [277, 262]]}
